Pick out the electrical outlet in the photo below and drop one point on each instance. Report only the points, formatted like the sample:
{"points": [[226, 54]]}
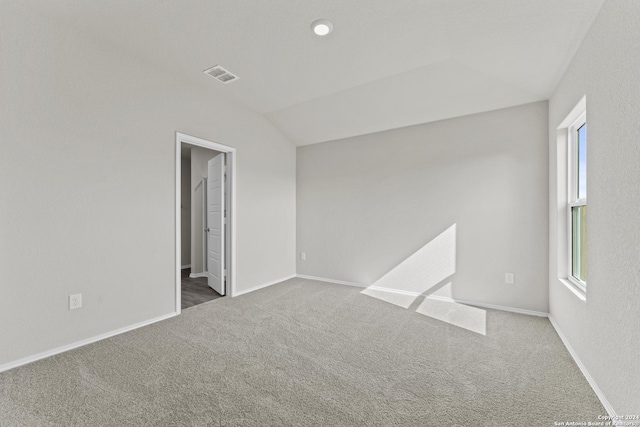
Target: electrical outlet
{"points": [[303, 256], [75, 301], [509, 278]]}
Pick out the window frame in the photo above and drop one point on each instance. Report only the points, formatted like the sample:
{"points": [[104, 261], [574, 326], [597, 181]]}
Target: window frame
{"points": [[572, 193]]}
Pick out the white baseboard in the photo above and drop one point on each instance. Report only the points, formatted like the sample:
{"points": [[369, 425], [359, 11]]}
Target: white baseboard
{"points": [[264, 285], [196, 275], [583, 369], [502, 308], [185, 266], [58, 350], [339, 282], [397, 291], [445, 299], [434, 297]]}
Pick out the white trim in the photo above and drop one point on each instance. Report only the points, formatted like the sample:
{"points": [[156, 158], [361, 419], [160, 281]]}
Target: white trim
{"points": [[205, 220], [567, 181], [264, 285], [394, 291], [503, 308], [583, 369], [432, 297], [580, 286], [442, 298], [196, 275], [231, 212], [575, 113], [578, 203], [231, 218], [186, 266], [322, 279], [465, 302], [572, 156], [58, 350], [573, 288]]}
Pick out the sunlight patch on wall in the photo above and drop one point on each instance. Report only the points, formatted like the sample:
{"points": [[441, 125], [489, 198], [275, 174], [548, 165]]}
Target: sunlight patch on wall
{"points": [[420, 272], [422, 275]]}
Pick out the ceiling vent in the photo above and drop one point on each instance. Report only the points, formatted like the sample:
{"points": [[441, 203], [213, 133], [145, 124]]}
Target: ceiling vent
{"points": [[220, 74]]}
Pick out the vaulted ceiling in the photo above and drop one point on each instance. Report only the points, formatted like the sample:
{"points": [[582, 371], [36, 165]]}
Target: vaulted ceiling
{"points": [[387, 64]]}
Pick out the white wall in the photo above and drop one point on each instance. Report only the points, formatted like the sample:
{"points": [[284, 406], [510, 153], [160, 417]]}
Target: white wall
{"points": [[367, 203], [605, 329], [185, 216], [95, 127], [199, 169]]}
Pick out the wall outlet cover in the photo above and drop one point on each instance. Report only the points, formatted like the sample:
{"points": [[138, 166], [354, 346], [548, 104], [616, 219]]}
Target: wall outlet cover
{"points": [[75, 301]]}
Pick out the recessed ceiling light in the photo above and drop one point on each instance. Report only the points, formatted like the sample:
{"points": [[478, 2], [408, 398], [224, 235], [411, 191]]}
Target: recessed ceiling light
{"points": [[322, 27]]}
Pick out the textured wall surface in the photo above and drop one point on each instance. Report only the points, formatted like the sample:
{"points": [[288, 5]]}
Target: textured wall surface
{"points": [[95, 127], [605, 329], [366, 204]]}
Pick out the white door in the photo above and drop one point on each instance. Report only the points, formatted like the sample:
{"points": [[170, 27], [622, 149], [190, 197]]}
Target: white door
{"points": [[215, 224]]}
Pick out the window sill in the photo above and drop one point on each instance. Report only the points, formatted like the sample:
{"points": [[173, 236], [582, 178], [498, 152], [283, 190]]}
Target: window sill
{"points": [[574, 289]]}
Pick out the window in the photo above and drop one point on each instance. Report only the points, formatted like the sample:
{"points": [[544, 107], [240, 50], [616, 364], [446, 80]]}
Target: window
{"points": [[577, 201]]}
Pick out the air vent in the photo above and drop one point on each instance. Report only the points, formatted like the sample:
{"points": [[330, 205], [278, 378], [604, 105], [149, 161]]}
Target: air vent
{"points": [[220, 74]]}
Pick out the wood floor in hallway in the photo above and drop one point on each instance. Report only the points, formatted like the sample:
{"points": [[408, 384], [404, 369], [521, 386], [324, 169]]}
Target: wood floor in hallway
{"points": [[195, 291]]}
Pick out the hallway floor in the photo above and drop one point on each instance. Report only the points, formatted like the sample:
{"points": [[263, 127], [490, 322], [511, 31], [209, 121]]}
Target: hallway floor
{"points": [[195, 291]]}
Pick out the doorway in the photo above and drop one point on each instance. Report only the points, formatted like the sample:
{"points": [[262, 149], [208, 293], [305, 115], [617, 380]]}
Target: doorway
{"points": [[205, 220]]}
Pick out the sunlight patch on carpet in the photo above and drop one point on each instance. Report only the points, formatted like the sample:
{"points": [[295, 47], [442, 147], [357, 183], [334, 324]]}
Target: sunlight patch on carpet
{"points": [[464, 316]]}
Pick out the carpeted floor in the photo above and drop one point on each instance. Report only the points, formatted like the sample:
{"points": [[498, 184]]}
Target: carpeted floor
{"points": [[304, 353]]}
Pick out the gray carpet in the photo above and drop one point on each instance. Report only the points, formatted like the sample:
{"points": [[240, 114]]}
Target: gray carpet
{"points": [[304, 353]]}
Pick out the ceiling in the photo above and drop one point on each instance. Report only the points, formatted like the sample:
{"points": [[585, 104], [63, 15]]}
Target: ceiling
{"points": [[387, 64]]}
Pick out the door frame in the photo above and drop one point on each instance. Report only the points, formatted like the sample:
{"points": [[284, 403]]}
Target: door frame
{"points": [[230, 237]]}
